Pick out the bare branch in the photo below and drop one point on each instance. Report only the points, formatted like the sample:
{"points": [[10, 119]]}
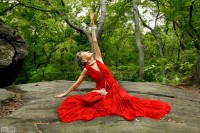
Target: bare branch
{"points": [[157, 16], [181, 40], [60, 13], [8, 9], [154, 33], [190, 19], [48, 57], [24, 5], [101, 19], [63, 3], [143, 22], [33, 7], [71, 24]]}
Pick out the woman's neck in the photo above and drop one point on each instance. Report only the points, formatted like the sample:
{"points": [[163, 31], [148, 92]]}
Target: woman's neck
{"points": [[91, 62]]}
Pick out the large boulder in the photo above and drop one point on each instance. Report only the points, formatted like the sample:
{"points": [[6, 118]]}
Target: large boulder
{"points": [[13, 50]]}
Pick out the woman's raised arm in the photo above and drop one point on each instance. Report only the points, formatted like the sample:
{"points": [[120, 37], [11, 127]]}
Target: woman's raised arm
{"points": [[94, 39]]}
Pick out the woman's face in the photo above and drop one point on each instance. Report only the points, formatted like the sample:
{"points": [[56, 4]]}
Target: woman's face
{"points": [[86, 55]]}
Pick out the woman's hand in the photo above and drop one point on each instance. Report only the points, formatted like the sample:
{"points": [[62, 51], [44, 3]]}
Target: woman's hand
{"points": [[92, 17], [60, 95], [102, 91]]}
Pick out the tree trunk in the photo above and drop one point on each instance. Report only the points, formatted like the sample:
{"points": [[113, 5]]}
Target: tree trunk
{"points": [[158, 43], [196, 39], [138, 41], [101, 20], [197, 76], [34, 52]]}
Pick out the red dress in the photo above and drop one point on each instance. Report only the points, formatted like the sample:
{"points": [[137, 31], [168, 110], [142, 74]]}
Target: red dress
{"points": [[116, 102]]}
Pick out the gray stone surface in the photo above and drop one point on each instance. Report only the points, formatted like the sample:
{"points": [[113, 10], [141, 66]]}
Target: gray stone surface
{"points": [[39, 111], [7, 52]]}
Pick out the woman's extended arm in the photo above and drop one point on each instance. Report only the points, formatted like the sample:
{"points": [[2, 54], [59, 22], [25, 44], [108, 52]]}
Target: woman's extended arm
{"points": [[94, 39], [75, 85]]}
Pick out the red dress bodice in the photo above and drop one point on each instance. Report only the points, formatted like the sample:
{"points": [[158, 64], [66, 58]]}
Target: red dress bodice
{"points": [[103, 78]]}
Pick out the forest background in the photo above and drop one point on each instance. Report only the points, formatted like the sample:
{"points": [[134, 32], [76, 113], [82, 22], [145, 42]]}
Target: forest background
{"points": [[140, 40]]}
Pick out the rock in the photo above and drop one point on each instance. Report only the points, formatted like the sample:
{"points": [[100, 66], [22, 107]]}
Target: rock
{"points": [[39, 110], [5, 95], [13, 49], [7, 52]]}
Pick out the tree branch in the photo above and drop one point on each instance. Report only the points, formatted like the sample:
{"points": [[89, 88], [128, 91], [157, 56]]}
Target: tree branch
{"points": [[33, 7], [181, 40], [190, 19], [8, 9], [157, 16], [48, 57], [190, 13], [154, 33], [63, 3], [99, 27], [101, 19], [143, 22], [70, 23], [36, 8]]}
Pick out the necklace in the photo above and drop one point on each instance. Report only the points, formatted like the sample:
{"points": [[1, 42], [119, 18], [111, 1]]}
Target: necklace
{"points": [[92, 63]]}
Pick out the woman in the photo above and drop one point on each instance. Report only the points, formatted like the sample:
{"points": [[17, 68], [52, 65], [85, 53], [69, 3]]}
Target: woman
{"points": [[108, 98]]}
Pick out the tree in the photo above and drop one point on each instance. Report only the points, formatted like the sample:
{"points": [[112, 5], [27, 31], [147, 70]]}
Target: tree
{"points": [[138, 41], [195, 35], [153, 30], [185, 16]]}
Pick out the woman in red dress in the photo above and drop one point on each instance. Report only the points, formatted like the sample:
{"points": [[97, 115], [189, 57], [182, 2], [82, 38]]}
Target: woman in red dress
{"points": [[108, 97]]}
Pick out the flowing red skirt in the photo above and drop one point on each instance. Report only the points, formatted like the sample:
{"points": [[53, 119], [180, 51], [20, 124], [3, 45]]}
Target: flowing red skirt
{"points": [[116, 102]]}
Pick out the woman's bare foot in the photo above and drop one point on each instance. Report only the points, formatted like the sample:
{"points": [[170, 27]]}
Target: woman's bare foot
{"points": [[102, 91]]}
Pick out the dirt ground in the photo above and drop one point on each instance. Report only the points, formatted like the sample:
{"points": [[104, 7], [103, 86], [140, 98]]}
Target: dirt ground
{"points": [[11, 105], [195, 90]]}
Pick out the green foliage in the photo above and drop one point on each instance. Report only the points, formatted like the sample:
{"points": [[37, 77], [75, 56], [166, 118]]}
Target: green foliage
{"points": [[53, 44], [169, 71], [126, 73]]}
